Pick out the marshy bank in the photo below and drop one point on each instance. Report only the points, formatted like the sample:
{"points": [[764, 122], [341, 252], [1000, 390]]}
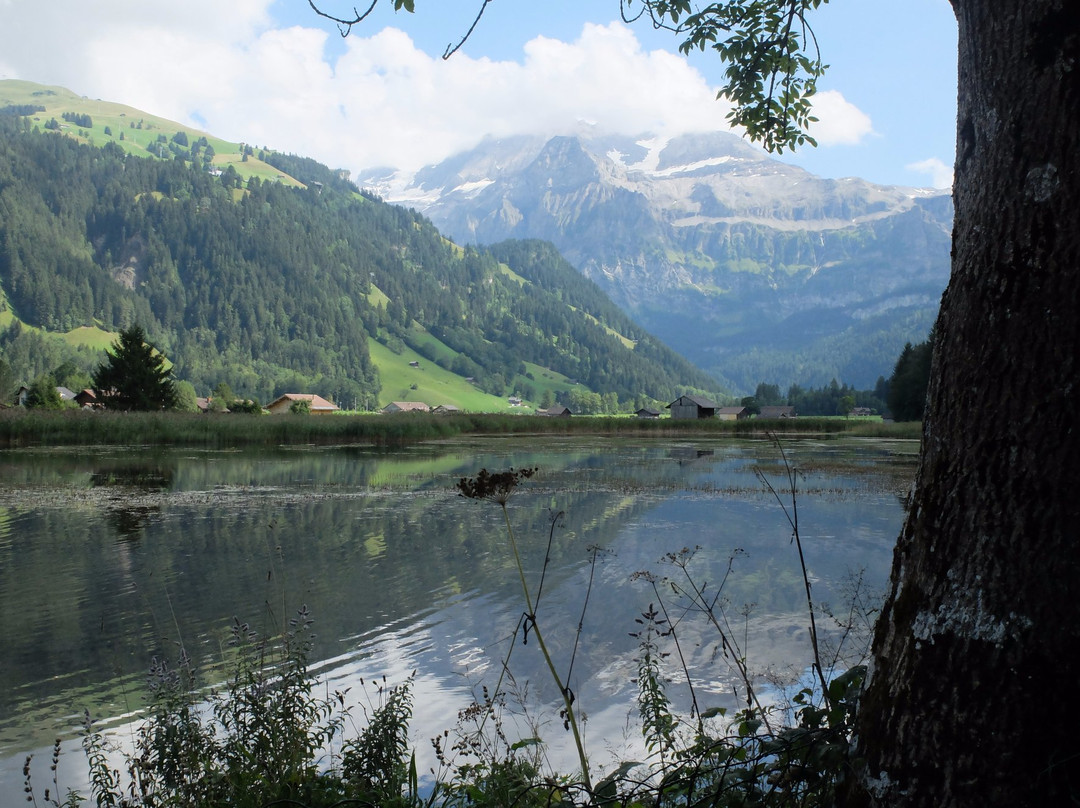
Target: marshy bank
{"points": [[20, 427]]}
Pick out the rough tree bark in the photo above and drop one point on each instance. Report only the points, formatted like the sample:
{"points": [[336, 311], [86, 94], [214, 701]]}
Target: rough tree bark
{"points": [[975, 660]]}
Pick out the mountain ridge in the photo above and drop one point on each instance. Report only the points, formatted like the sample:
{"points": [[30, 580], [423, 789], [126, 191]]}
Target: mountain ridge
{"points": [[715, 228]]}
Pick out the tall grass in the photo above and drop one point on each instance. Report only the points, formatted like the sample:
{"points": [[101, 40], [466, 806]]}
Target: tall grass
{"points": [[20, 427]]}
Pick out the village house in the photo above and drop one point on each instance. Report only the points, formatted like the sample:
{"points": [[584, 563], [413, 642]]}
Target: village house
{"points": [[405, 406], [647, 412], [732, 413], [86, 399], [317, 404]]}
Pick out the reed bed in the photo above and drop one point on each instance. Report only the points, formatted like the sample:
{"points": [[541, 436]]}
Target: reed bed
{"points": [[19, 428]]}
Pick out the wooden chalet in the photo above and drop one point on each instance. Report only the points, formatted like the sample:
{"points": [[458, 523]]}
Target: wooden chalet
{"points": [[87, 399]]}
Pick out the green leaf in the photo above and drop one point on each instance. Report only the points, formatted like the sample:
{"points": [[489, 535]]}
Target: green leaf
{"points": [[525, 742]]}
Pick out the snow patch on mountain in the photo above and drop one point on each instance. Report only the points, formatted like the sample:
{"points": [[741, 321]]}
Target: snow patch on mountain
{"points": [[710, 162], [473, 187]]}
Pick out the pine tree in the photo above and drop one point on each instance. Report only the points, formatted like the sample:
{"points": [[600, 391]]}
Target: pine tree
{"points": [[134, 376]]}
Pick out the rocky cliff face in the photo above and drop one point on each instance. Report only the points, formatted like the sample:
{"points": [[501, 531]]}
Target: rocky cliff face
{"points": [[754, 269]]}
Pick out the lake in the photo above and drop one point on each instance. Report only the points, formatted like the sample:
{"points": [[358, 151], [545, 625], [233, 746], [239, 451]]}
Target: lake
{"points": [[109, 557]]}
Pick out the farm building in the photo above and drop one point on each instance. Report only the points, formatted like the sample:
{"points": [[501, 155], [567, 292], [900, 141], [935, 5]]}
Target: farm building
{"points": [[688, 407], [558, 411]]}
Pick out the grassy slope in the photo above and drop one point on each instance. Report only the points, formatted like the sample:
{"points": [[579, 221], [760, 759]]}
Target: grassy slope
{"points": [[120, 118], [434, 385], [83, 336], [90, 337]]}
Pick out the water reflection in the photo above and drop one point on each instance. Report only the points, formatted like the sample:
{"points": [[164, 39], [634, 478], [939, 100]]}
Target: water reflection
{"points": [[401, 573]]}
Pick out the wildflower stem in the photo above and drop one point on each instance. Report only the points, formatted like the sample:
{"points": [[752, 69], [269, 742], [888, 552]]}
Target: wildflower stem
{"points": [[568, 704], [517, 560]]}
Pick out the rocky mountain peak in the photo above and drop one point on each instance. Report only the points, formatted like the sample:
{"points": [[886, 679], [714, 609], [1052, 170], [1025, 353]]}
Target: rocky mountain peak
{"points": [[754, 269]]}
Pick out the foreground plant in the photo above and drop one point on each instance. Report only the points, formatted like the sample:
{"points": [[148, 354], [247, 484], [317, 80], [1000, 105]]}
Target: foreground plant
{"points": [[498, 488], [758, 756], [749, 758], [262, 739]]}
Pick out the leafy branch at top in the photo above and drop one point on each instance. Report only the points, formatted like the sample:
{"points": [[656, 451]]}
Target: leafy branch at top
{"points": [[772, 56], [498, 488]]}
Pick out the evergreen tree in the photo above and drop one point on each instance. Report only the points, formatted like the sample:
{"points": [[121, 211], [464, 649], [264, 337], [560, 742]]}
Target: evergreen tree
{"points": [[908, 383], [7, 381], [768, 395], [43, 395], [134, 376]]}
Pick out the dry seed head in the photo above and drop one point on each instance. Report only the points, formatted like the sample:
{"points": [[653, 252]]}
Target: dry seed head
{"points": [[493, 487]]}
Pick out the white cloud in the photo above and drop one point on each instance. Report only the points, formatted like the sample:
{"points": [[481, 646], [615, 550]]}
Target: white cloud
{"points": [[839, 121], [941, 174], [401, 107], [57, 42], [382, 102]]}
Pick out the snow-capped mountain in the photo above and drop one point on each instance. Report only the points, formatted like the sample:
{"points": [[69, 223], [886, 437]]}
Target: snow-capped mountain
{"points": [[754, 269]]}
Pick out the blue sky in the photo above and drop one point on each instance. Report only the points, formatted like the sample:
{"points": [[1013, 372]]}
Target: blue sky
{"points": [[270, 72]]}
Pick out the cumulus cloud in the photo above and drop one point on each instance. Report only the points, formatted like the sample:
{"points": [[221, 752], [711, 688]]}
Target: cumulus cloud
{"points": [[941, 175], [839, 121], [382, 101], [379, 100], [405, 108]]}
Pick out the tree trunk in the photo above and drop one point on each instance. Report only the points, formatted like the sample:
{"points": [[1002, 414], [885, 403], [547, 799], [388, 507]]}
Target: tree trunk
{"points": [[974, 677]]}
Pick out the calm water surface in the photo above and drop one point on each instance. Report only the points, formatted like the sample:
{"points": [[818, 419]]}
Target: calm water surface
{"points": [[110, 557]]}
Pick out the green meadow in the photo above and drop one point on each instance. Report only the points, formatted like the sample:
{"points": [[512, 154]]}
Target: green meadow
{"points": [[138, 128]]}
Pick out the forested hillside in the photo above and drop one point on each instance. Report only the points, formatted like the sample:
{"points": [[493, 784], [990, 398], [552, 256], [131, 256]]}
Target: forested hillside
{"points": [[273, 288]]}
